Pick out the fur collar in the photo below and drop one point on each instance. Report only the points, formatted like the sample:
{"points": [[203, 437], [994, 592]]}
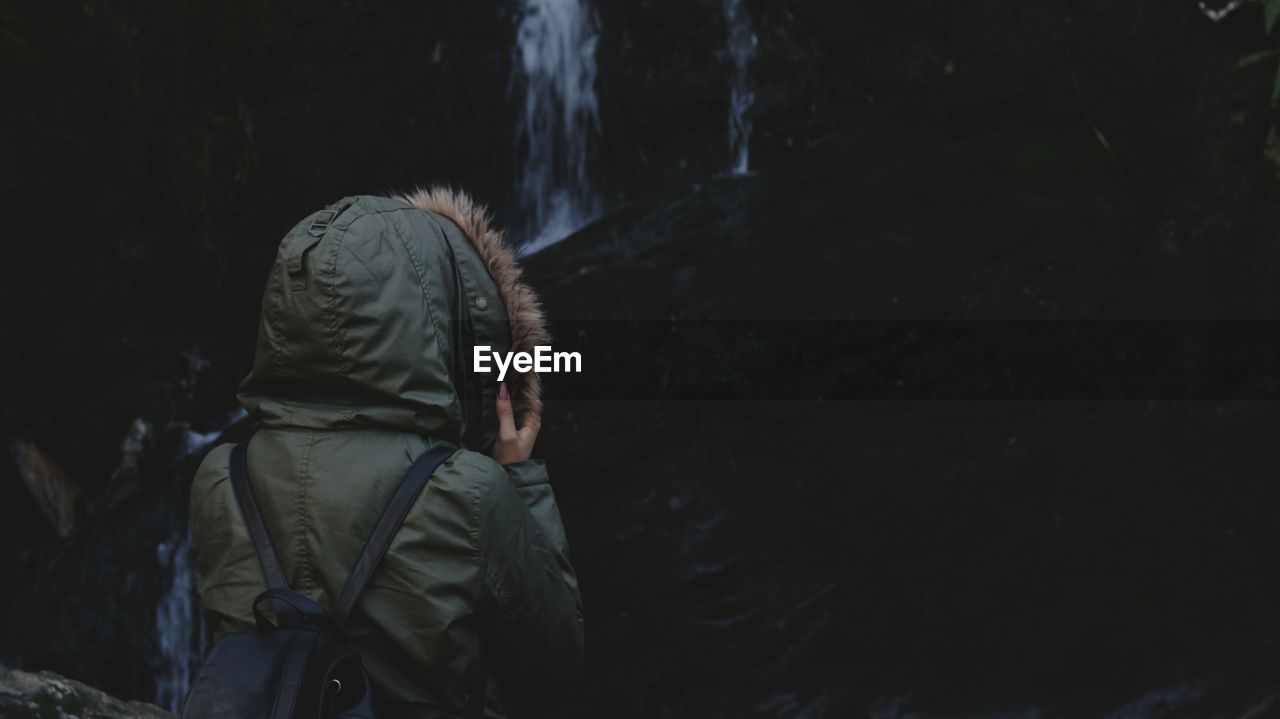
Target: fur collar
{"points": [[524, 311]]}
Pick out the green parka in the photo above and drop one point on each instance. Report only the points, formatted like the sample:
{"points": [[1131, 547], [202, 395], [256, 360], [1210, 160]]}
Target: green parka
{"points": [[362, 364]]}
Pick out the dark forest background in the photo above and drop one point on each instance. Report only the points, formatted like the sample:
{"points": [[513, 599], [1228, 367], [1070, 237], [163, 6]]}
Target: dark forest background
{"points": [[823, 550]]}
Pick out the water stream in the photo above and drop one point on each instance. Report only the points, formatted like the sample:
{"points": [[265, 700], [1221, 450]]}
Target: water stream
{"points": [[742, 48], [559, 124], [180, 627]]}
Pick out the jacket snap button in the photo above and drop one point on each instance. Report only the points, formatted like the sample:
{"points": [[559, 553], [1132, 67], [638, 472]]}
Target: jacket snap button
{"points": [[481, 303]]}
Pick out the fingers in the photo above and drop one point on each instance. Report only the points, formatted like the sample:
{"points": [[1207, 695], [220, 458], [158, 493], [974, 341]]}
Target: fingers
{"points": [[506, 417], [529, 426], [514, 445]]}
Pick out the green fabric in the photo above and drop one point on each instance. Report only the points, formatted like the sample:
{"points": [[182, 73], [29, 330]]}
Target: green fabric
{"points": [[357, 373]]}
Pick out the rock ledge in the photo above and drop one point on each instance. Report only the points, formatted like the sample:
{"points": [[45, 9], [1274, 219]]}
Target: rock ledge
{"points": [[46, 695]]}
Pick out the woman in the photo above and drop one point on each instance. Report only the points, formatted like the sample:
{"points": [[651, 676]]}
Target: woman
{"points": [[362, 364]]}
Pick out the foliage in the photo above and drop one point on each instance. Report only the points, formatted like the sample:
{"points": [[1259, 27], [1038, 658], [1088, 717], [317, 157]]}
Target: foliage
{"points": [[1271, 13]]}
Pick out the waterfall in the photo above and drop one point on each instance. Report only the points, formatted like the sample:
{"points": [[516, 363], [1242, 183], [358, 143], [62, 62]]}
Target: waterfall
{"points": [[179, 626], [742, 48], [559, 123]]}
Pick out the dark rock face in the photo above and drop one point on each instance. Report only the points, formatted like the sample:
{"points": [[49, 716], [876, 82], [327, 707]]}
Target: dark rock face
{"points": [[49, 696], [788, 556]]}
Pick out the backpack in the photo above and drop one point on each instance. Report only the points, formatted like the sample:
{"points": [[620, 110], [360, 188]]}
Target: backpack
{"points": [[302, 666]]}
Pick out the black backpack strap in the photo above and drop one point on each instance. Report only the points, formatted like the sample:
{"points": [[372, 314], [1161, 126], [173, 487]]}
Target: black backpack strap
{"points": [[312, 613], [388, 524], [267, 557], [272, 570]]}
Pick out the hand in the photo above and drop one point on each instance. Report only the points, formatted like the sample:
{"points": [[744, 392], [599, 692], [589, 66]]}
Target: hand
{"points": [[514, 445]]}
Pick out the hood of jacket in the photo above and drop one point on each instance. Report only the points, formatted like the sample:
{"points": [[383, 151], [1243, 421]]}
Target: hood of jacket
{"points": [[370, 314]]}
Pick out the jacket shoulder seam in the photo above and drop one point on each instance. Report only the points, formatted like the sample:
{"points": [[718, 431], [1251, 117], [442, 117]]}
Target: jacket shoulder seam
{"points": [[305, 579], [419, 271]]}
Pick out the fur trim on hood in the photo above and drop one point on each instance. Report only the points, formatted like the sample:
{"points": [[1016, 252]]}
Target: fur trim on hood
{"points": [[524, 311]]}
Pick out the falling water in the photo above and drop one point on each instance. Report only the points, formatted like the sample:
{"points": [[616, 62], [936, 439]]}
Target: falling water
{"points": [[742, 47], [179, 626], [179, 623], [556, 61]]}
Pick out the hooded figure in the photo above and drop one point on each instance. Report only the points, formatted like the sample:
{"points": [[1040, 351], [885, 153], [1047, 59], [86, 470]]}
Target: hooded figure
{"points": [[363, 364]]}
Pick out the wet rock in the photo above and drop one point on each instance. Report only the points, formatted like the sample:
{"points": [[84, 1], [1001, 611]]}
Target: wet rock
{"points": [[113, 578], [57, 495], [45, 695], [796, 556], [126, 480]]}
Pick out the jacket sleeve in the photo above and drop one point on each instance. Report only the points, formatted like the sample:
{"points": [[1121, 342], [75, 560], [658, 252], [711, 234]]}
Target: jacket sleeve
{"points": [[227, 573], [535, 632]]}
